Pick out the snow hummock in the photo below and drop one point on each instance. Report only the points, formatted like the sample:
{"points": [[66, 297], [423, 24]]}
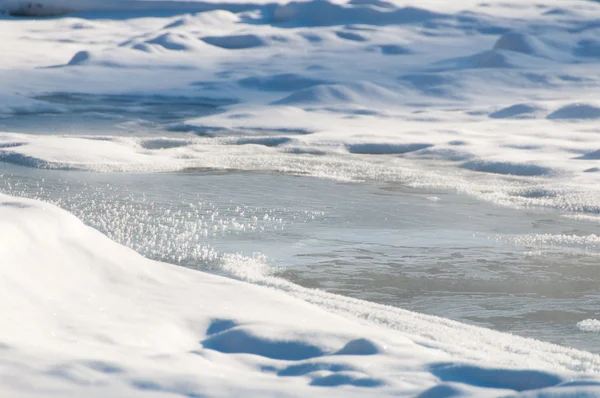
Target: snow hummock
{"points": [[521, 43], [84, 316]]}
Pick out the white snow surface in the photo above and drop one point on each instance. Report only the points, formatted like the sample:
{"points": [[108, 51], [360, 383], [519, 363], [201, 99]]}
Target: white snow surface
{"points": [[494, 99], [83, 316]]}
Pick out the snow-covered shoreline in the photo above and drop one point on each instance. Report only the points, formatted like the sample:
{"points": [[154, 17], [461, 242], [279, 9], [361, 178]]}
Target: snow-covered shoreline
{"points": [[83, 316], [497, 100]]}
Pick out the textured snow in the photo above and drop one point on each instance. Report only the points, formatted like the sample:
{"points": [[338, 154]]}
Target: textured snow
{"points": [[83, 316], [497, 100], [498, 88]]}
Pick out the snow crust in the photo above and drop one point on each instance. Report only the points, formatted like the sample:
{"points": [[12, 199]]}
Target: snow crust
{"points": [[83, 316]]}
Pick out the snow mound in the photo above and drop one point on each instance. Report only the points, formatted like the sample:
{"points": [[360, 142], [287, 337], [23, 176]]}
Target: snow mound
{"points": [[517, 111], [175, 42], [91, 153], [500, 59], [80, 58], [589, 325], [112, 294], [325, 13], [521, 43], [330, 94], [576, 111]]}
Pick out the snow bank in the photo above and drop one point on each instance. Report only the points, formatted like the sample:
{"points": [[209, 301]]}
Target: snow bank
{"points": [[84, 316]]}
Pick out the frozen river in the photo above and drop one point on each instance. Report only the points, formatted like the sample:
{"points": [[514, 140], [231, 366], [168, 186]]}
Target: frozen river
{"points": [[529, 272]]}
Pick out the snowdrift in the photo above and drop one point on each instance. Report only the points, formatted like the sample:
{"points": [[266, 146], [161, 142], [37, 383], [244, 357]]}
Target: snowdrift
{"points": [[83, 316]]}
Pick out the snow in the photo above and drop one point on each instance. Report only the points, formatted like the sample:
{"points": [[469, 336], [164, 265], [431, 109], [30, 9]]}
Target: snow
{"points": [[497, 100], [589, 325], [83, 316]]}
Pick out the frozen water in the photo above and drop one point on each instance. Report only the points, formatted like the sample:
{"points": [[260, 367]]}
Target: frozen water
{"points": [[382, 242]]}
